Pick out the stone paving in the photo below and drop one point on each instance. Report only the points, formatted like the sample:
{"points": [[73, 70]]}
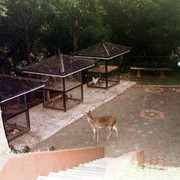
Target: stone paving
{"points": [[147, 118], [46, 122]]}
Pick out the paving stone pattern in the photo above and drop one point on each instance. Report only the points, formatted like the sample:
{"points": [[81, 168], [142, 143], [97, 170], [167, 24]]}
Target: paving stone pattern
{"points": [[147, 118]]}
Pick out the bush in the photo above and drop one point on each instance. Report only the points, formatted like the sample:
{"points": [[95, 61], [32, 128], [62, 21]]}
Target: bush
{"points": [[132, 170]]}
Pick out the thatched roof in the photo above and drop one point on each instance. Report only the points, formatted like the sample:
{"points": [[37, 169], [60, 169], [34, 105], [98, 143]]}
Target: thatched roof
{"points": [[15, 86], [60, 66], [103, 51]]}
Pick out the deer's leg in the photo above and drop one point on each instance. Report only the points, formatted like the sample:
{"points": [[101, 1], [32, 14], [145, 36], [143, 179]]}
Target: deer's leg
{"points": [[97, 135], [94, 133], [110, 131], [115, 128]]}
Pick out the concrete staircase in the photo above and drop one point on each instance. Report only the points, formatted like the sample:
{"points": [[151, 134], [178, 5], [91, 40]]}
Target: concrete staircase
{"points": [[93, 170]]}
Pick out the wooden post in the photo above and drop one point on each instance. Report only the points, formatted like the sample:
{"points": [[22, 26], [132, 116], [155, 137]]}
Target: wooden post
{"points": [[48, 97], [106, 73], [162, 74], [3, 140], [64, 95], [138, 74]]}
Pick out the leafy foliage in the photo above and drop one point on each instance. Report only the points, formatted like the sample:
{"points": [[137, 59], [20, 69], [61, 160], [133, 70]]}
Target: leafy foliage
{"points": [[34, 29], [150, 26], [132, 170]]}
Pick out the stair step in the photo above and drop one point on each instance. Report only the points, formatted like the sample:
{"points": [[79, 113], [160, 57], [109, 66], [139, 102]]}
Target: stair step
{"points": [[49, 178], [102, 160], [42, 178], [97, 163], [85, 168], [93, 165], [76, 171], [74, 176], [94, 170]]}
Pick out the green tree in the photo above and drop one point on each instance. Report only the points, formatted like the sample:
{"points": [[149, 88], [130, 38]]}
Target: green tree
{"points": [[2, 8], [22, 22], [40, 27], [74, 24], [150, 26], [86, 22]]}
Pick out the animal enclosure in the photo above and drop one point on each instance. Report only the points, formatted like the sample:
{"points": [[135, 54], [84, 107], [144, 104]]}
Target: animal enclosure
{"points": [[104, 75], [14, 103], [16, 117], [63, 93], [108, 55], [63, 73]]}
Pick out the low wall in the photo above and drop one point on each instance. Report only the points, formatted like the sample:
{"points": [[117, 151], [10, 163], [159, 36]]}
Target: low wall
{"points": [[29, 166]]}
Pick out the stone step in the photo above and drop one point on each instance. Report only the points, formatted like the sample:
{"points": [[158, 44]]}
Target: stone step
{"points": [[101, 163], [48, 178], [93, 170], [77, 171], [75, 176]]}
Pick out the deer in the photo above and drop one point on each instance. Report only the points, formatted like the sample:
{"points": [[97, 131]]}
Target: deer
{"points": [[101, 122]]}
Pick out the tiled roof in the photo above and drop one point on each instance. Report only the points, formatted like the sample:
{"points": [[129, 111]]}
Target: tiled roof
{"points": [[14, 86], [60, 65], [104, 51]]}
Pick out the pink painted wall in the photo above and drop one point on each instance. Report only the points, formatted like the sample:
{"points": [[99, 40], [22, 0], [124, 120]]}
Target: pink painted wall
{"points": [[29, 166]]}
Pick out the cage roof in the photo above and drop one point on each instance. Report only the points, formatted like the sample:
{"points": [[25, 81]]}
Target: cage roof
{"points": [[103, 50], [60, 65], [15, 86]]}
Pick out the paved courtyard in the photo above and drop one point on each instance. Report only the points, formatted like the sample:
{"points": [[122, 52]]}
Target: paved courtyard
{"points": [[148, 117], [46, 122]]}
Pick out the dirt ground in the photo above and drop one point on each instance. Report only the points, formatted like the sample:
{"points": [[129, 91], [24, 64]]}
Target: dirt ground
{"points": [[148, 117]]}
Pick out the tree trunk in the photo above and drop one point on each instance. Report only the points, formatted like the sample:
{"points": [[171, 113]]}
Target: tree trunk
{"points": [[27, 47], [76, 36], [3, 139]]}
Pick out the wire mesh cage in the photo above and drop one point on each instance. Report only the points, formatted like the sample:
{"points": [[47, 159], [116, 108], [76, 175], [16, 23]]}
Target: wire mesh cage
{"points": [[63, 93], [15, 117], [104, 75]]}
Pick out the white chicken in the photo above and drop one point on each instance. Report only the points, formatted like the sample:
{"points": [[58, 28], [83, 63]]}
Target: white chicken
{"points": [[95, 80]]}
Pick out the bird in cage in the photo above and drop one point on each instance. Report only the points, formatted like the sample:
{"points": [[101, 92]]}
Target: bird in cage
{"points": [[95, 80]]}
